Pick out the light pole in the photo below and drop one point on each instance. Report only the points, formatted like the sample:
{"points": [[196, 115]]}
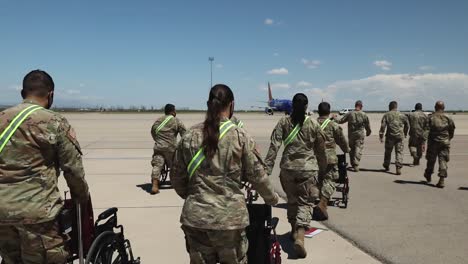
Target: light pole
{"points": [[211, 59]]}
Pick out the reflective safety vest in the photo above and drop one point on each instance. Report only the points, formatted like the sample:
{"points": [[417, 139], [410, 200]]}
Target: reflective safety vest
{"points": [[15, 123], [325, 123], [240, 124], [199, 156], [293, 134], [164, 123]]}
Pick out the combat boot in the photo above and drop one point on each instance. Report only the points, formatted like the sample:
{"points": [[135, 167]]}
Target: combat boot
{"points": [[428, 177], [320, 211], [398, 171], [155, 188], [356, 168], [293, 232], [441, 183], [386, 168], [299, 245]]}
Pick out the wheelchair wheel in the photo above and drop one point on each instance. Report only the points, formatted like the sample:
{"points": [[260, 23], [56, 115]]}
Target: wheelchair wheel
{"points": [[107, 248], [163, 176]]}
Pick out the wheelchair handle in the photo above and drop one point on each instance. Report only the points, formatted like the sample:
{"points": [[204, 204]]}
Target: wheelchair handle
{"points": [[107, 213], [274, 222]]}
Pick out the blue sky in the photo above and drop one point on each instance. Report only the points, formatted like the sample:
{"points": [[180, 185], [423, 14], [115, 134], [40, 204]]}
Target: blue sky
{"points": [[153, 52]]}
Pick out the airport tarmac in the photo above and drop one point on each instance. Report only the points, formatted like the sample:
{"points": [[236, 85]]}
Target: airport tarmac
{"points": [[396, 219]]}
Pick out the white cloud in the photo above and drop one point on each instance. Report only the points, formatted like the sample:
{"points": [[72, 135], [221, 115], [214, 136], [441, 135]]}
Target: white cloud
{"points": [[383, 65], [276, 54], [276, 86], [426, 68], [311, 64], [73, 92], [376, 91], [279, 71], [15, 87], [269, 21], [219, 66], [82, 85], [303, 84]]}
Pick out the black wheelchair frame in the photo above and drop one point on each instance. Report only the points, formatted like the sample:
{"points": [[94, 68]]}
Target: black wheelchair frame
{"points": [[164, 174], [342, 184]]}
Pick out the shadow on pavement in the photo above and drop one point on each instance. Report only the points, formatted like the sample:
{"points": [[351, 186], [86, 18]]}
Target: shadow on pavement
{"points": [[463, 188], [281, 206], [373, 170], [147, 186], [413, 182], [287, 245]]}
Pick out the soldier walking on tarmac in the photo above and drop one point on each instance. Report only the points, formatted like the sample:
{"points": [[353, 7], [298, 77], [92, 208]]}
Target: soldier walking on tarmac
{"points": [[164, 132], [327, 176], [441, 132], [396, 126], [358, 122], [417, 133], [35, 145]]}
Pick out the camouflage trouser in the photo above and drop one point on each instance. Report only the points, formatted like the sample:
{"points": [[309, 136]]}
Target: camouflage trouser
{"points": [[390, 144], [435, 150], [356, 144], [301, 188], [415, 145], [32, 244], [159, 158], [327, 181], [212, 246]]}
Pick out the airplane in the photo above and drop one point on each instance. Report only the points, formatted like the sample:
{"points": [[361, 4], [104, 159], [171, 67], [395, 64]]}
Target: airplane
{"points": [[277, 105]]}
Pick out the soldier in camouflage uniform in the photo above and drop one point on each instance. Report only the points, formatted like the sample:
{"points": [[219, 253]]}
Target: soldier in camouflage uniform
{"points": [[441, 132], [30, 163], [358, 122], [214, 215], [302, 155], [418, 133], [164, 132], [333, 136], [397, 126]]}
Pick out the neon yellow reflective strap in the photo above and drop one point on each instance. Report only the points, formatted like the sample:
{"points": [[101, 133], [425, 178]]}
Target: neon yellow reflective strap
{"points": [[164, 123], [199, 157], [15, 123], [240, 124], [325, 123], [293, 134]]}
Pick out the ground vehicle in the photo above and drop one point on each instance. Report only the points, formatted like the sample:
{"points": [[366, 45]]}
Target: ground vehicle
{"points": [[344, 111], [97, 243], [342, 184], [264, 247]]}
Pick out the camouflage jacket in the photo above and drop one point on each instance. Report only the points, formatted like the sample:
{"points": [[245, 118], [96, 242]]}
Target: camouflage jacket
{"points": [[357, 123], [30, 165], [333, 136], [441, 128], [213, 195], [395, 123], [418, 124], [166, 138], [305, 153]]}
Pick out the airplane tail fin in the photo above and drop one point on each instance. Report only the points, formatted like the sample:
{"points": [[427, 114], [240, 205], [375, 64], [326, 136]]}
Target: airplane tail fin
{"points": [[270, 96]]}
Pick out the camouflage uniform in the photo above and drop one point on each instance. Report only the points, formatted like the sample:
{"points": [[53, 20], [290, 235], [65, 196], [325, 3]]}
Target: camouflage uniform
{"points": [[358, 122], [418, 133], [165, 142], [30, 200], [214, 215], [396, 126], [441, 132], [299, 167], [237, 121], [333, 135]]}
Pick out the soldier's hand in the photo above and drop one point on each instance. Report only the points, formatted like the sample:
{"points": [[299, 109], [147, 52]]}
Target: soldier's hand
{"points": [[274, 201], [381, 139]]}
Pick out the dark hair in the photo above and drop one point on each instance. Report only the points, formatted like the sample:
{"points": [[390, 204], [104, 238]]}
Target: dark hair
{"points": [[219, 98], [169, 108], [324, 108], [37, 83], [418, 106], [392, 105], [358, 103], [299, 105]]}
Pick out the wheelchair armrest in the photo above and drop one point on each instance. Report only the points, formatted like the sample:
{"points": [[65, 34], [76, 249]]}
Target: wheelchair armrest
{"points": [[274, 222], [107, 213]]}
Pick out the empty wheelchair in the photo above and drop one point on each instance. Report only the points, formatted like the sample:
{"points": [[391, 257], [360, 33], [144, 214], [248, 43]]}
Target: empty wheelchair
{"points": [[100, 242]]}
